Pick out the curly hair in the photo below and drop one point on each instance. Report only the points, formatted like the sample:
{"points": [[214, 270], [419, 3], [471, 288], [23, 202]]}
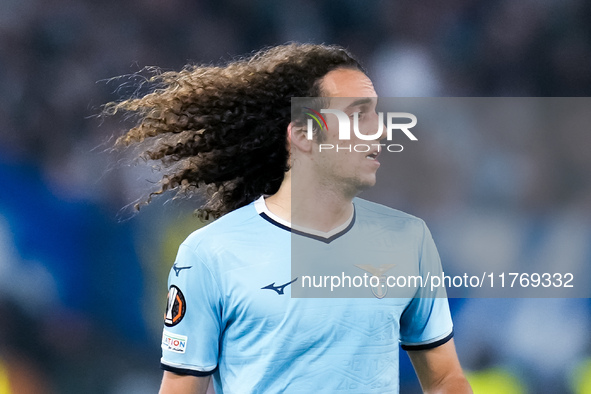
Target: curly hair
{"points": [[222, 130]]}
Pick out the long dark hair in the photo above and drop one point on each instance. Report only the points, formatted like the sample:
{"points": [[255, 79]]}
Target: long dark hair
{"points": [[221, 130]]}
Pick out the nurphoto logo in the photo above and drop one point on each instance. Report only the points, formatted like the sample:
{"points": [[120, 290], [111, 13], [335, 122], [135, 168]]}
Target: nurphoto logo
{"points": [[344, 122]]}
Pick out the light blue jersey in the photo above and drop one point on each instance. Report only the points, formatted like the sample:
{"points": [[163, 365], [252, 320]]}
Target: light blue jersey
{"points": [[230, 312]]}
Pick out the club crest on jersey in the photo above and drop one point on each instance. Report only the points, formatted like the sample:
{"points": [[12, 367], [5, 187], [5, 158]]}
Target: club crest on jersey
{"points": [[175, 307], [381, 289]]}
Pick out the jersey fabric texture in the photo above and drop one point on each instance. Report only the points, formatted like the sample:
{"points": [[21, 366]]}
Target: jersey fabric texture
{"points": [[231, 313]]}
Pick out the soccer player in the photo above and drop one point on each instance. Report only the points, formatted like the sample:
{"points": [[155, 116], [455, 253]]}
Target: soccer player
{"points": [[229, 131]]}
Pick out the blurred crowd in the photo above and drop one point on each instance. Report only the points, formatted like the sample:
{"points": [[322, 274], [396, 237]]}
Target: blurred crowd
{"points": [[82, 284]]}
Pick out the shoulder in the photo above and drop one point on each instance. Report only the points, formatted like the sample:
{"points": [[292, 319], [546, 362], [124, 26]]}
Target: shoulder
{"points": [[242, 220], [237, 240], [368, 210], [382, 219]]}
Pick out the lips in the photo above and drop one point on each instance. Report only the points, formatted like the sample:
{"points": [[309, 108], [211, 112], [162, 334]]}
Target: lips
{"points": [[373, 155]]}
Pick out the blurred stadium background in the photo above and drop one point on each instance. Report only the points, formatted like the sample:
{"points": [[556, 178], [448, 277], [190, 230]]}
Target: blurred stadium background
{"points": [[83, 285]]}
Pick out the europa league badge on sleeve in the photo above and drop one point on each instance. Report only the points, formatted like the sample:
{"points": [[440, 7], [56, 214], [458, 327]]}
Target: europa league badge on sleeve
{"points": [[175, 307]]}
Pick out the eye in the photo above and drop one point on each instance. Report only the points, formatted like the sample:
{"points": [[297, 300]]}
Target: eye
{"points": [[361, 115]]}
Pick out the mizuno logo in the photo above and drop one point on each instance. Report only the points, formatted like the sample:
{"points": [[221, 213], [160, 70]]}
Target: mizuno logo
{"points": [[278, 289], [178, 269]]}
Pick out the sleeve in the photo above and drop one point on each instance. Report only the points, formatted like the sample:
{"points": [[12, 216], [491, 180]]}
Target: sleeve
{"points": [[192, 321], [426, 322]]}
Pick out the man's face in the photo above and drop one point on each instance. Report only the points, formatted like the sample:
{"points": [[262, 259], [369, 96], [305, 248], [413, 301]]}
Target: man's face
{"points": [[351, 164]]}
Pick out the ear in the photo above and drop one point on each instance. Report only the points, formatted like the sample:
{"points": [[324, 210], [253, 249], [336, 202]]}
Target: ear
{"points": [[298, 139]]}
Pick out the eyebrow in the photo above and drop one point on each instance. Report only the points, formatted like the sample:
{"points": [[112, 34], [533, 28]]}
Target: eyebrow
{"points": [[359, 102]]}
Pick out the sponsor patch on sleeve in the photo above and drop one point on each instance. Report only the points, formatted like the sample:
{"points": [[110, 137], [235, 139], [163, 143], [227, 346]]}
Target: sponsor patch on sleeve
{"points": [[175, 307], [174, 342]]}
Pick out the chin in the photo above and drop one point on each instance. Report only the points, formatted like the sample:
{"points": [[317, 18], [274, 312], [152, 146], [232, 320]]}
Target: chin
{"points": [[368, 185], [370, 181], [365, 184]]}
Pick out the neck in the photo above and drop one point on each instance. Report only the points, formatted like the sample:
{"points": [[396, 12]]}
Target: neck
{"points": [[310, 206]]}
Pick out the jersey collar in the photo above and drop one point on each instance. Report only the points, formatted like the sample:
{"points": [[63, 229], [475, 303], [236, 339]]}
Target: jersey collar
{"points": [[327, 237]]}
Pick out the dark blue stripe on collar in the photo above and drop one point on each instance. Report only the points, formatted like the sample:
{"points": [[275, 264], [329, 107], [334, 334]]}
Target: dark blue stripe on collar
{"points": [[307, 235]]}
